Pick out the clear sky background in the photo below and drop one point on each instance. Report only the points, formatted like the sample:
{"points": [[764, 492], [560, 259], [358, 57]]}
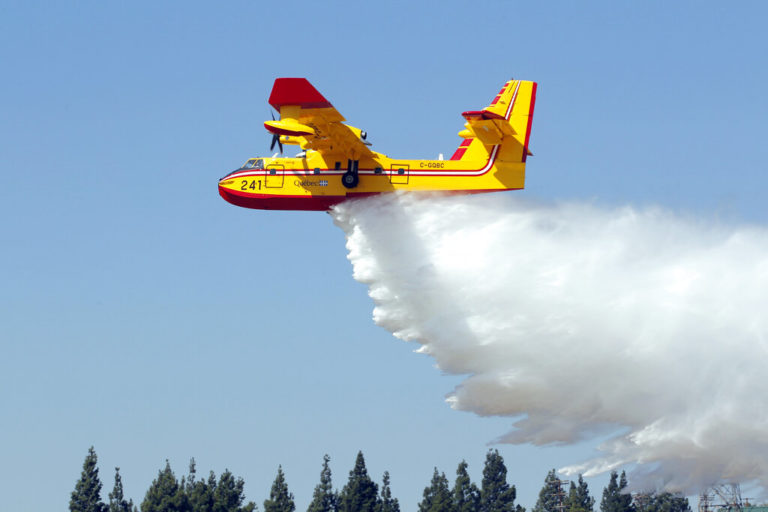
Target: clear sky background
{"points": [[142, 314]]}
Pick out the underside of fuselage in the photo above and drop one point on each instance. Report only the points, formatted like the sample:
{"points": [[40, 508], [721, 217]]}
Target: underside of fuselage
{"points": [[285, 202]]}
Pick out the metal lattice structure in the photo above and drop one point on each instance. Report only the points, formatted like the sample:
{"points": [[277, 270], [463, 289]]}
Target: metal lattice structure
{"points": [[721, 498], [559, 492]]}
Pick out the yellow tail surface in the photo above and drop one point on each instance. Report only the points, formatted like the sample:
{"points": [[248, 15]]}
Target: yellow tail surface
{"points": [[506, 122]]}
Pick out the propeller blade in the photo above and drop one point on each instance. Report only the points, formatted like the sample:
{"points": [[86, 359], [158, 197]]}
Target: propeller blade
{"points": [[275, 138]]}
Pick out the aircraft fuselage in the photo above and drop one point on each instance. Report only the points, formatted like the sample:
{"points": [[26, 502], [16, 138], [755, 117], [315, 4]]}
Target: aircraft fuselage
{"points": [[311, 183]]}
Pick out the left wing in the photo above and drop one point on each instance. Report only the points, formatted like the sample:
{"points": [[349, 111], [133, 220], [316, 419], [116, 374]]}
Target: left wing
{"points": [[309, 120]]}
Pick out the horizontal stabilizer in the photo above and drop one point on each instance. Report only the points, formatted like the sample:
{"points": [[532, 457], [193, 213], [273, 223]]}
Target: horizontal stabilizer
{"points": [[505, 122], [481, 114]]}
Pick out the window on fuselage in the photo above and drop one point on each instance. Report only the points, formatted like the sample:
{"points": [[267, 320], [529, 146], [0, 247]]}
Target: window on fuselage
{"points": [[254, 163]]}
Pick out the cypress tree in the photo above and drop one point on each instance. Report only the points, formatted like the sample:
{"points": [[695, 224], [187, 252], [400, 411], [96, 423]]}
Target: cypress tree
{"points": [[280, 499], [87, 494], [437, 497], [466, 495], [579, 499], [496, 495], [386, 502], [117, 501], [614, 500], [165, 494], [324, 499], [548, 496], [360, 493]]}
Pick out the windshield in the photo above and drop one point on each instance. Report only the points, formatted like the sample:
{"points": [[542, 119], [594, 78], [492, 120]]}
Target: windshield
{"points": [[254, 163]]}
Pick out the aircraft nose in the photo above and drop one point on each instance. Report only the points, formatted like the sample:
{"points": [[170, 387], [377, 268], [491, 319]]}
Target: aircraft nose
{"points": [[230, 173]]}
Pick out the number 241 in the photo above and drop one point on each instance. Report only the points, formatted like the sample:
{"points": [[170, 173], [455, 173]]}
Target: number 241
{"points": [[245, 186]]}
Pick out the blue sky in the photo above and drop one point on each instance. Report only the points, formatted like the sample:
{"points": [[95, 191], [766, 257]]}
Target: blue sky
{"points": [[145, 316]]}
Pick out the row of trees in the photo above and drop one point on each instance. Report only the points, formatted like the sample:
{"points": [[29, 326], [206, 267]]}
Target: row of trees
{"points": [[361, 493]]}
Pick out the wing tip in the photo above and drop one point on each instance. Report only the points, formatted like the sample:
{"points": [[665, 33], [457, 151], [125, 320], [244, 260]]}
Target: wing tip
{"points": [[296, 91]]}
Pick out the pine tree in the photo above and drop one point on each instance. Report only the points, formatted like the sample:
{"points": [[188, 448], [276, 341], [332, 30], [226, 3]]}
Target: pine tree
{"points": [[228, 496], [437, 497], [496, 495], [199, 492], [386, 502], [280, 499], [360, 492], [579, 499], [87, 494], [614, 500], [664, 502], [548, 496], [117, 501], [324, 499], [165, 494], [466, 495]]}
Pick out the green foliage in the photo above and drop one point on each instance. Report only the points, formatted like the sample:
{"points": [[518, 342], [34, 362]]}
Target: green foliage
{"points": [[228, 496], [199, 492], [437, 497], [548, 500], [324, 499], [117, 501], [165, 494], [579, 499], [386, 502], [614, 500], [280, 499], [466, 495], [496, 495], [87, 494], [664, 502], [360, 492]]}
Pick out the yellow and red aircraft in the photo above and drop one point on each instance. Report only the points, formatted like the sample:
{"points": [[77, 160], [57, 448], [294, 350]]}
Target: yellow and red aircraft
{"points": [[336, 162]]}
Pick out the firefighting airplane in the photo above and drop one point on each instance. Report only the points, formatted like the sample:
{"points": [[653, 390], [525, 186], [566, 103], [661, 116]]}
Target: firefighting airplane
{"points": [[336, 162]]}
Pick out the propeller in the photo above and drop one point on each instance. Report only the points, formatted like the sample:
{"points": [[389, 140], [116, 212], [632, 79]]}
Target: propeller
{"points": [[275, 138]]}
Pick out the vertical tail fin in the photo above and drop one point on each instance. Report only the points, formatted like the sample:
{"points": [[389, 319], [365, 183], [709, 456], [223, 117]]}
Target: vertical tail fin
{"points": [[506, 122]]}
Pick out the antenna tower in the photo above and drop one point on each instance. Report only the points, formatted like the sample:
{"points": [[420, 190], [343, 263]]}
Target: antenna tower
{"points": [[559, 492], [721, 498]]}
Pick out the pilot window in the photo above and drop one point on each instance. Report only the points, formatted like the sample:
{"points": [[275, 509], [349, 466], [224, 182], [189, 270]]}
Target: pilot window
{"points": [[254, 163]]}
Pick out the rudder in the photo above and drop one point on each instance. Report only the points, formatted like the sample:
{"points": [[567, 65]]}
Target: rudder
{"points": [[506, 122]]}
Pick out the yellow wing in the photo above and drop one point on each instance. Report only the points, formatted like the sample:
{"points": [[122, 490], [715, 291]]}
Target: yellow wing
{"points": [[309, 120]]}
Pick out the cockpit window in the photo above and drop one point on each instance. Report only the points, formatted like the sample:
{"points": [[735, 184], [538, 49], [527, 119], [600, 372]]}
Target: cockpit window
{"points": [[254, 163]]}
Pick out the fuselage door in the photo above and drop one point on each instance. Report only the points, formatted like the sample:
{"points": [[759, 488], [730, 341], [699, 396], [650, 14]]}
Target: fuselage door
{"points": [[398, 174], [275, 174]]}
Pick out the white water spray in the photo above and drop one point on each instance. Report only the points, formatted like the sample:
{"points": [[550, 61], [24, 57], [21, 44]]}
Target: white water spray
{"points": [[577, 320]]}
